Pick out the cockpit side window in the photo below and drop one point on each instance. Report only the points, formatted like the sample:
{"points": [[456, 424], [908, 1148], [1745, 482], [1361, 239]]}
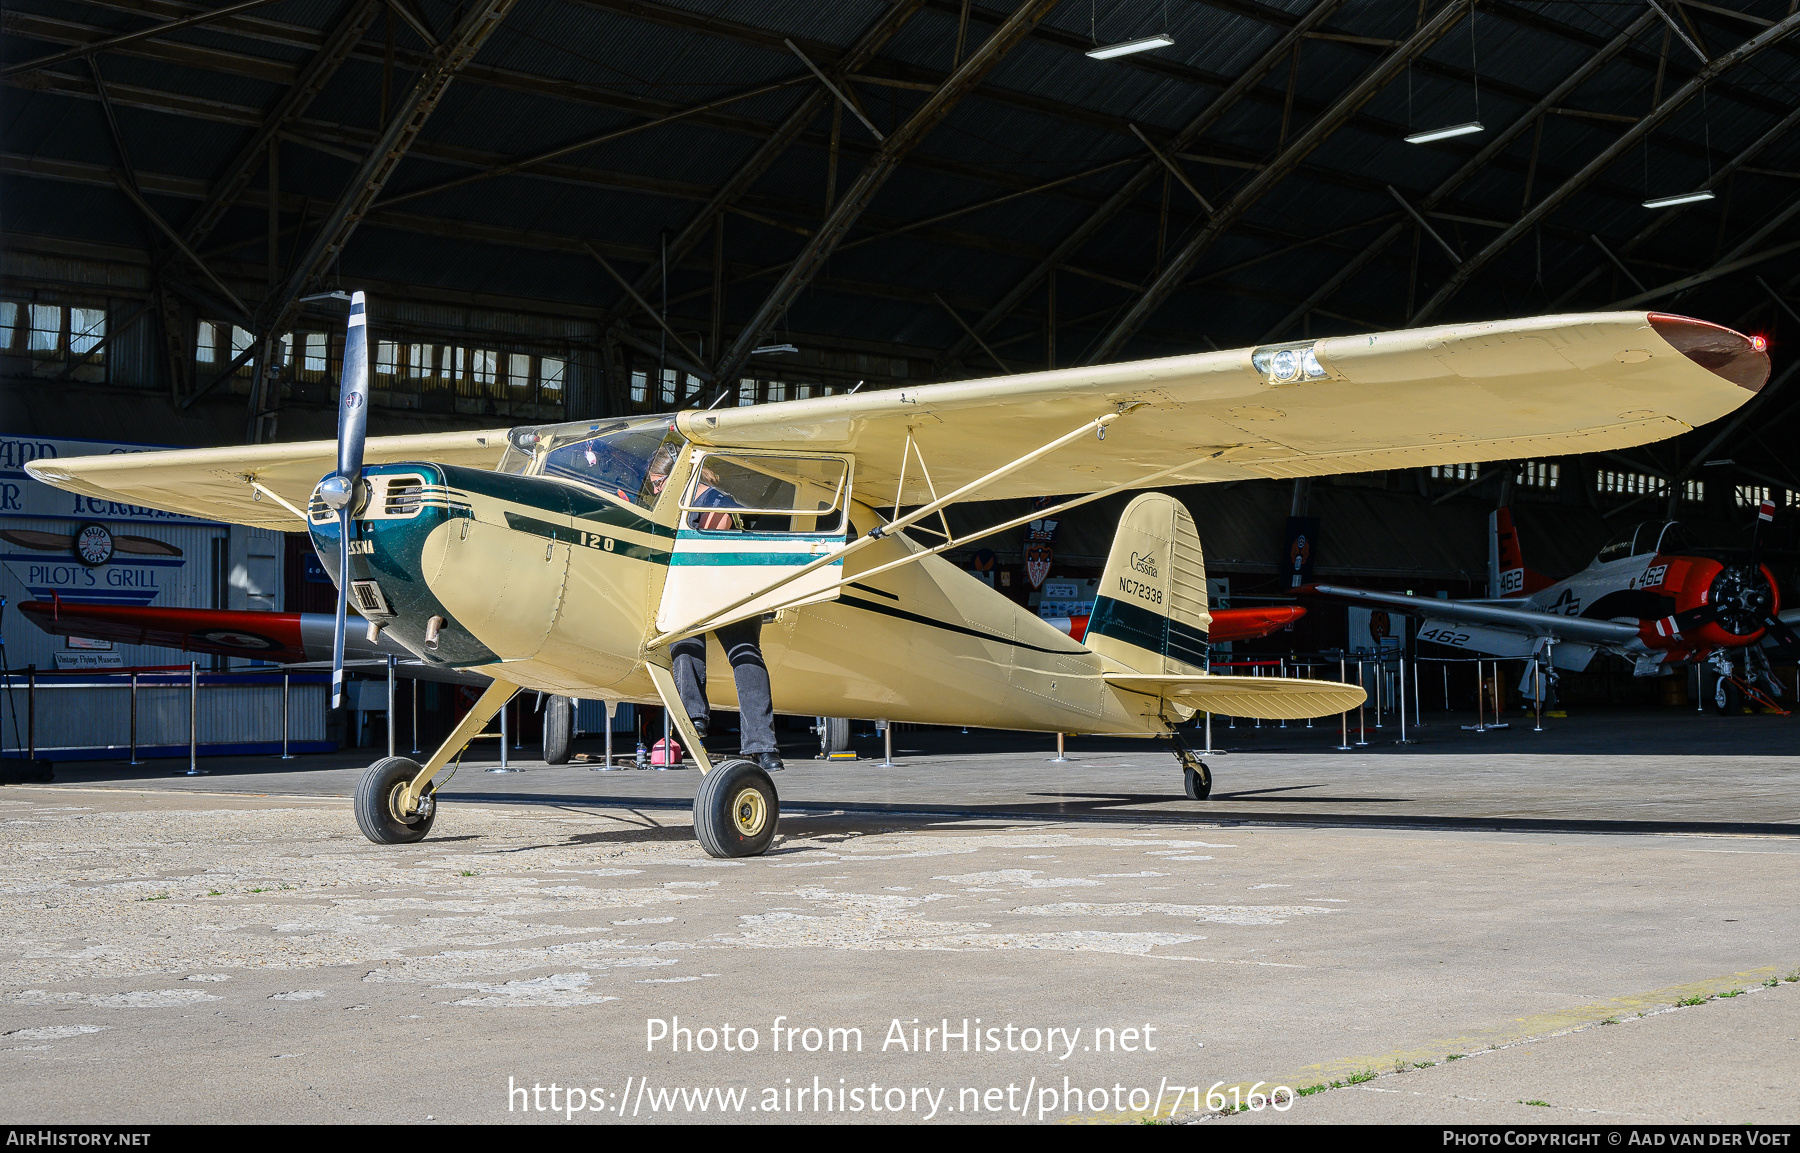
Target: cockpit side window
{"points": [[628, 460]]}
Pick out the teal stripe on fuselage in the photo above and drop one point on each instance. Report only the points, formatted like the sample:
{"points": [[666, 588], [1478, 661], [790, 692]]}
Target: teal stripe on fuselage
{"points": [[733, 559]]}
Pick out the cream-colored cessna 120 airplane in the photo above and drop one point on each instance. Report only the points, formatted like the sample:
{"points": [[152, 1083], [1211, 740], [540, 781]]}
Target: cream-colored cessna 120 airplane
{"points": [[557, 558]]}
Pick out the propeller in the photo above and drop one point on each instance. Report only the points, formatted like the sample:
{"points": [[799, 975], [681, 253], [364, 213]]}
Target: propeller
{"points": [[343, 490], [1740, 600]]}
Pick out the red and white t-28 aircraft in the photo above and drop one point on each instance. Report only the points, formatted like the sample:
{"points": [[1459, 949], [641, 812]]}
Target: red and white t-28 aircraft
{"points": [[1647, 597]]}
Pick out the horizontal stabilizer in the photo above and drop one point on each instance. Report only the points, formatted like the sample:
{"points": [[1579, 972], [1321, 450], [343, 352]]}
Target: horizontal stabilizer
{"points": [[1264, 698]]}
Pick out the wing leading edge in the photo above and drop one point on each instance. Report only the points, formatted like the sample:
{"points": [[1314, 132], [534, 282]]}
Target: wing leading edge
{"points": [[1525, 622]]}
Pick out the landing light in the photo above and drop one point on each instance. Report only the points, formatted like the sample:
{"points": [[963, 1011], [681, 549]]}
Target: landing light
{"points": [[1678, 198], [1429, 135], [1286, 364], [1126, 48]]}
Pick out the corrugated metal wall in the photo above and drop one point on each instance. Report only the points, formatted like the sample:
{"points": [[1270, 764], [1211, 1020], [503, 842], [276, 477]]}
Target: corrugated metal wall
{"points": [[87, 714]]}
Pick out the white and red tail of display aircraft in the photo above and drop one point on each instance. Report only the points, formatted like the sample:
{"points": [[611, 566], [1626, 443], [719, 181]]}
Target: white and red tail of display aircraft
{"points": [[1647, 597]]}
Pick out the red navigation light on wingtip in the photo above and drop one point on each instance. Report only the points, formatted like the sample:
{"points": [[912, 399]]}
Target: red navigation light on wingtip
{"points": [[1759, 342]]}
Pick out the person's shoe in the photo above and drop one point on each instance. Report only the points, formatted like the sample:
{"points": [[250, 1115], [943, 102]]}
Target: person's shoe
{"points": [[699, 724], [769, 762]]}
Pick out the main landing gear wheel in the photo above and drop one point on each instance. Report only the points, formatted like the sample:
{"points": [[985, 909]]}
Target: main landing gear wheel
{"points": [[1198, 779], [1728, 699], [559, 729], [735, 810], [378, 804]]}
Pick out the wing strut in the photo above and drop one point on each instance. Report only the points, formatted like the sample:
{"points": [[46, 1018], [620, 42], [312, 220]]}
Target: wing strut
{"points": [[703, 623], [711, 620]]}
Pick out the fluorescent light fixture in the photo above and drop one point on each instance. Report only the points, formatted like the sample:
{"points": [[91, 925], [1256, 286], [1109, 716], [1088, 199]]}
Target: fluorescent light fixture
{"points": [[1678, 198], [1429, 135], [767, 348], [1126, 48]]}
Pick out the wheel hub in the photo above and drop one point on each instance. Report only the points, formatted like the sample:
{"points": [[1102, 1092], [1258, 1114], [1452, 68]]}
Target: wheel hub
{"points": [[423, 812], [749, 811]]}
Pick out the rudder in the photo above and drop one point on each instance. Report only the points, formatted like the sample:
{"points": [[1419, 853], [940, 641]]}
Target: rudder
{"points": [[1151, 614]]}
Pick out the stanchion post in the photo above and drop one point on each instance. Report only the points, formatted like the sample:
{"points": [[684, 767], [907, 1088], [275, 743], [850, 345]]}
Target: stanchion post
{"points": [[518, 729], [1344, 717], [287, 677], [194, 769], [887, 744], [134, 699], [1362, 721], [1400, 697], [1281, 671], [1209, 747], [30, 712], [1418, 706], [1059, 758], [1479, 727], [415, 716], [606, 720]]}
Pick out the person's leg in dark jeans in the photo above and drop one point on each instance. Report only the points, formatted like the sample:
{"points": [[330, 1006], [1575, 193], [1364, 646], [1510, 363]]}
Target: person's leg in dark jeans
{"points": [[756, 709], [688, 665]]}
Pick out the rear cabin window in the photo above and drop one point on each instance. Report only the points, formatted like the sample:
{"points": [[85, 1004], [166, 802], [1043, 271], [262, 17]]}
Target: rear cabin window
{"points": [[766, 494]]}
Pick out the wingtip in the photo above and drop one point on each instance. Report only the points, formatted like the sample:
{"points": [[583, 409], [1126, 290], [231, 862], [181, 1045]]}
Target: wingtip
{"points": [[1743, 360]]}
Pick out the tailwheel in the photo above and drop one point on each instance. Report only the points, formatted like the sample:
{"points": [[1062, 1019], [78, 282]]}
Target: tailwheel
{"points": [[1195, 774], [378, 804], [736, 810]]}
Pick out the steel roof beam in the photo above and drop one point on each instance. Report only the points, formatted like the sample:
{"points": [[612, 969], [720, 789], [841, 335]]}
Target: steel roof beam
{"points": [[292, 105], [1176, 268], [1468, 169], [868, 182], [457, 50], [1065, 250], [113, 42], [776, 144], [277, 72], [1721, 63], [1663, 219]]}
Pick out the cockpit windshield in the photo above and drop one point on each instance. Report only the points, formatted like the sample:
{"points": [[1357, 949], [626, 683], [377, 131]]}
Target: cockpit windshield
{"points": [[627, 459], [1645, 539]]}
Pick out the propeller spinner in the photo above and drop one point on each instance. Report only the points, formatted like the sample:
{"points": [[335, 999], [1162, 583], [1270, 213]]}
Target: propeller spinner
{"points": [[344, 491]]}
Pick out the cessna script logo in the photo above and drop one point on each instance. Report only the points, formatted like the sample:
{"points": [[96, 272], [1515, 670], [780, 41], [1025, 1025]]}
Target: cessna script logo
{"points": [[1146, 564]]}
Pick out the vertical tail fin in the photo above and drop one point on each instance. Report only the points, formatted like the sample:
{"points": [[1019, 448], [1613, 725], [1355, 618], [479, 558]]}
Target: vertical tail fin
{"points": [[1150, 614], [1507, 574]]}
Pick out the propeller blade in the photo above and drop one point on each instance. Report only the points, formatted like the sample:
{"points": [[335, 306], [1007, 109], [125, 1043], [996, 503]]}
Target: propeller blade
{"points": [[342, 490], [353, 406], [1765, 514], [343, 608]]}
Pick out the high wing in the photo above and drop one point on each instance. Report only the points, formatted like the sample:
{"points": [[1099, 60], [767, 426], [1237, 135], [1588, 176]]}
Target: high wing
{"points": [[214, 483], [1459, 393], [1453, 394], [1526, 622]]}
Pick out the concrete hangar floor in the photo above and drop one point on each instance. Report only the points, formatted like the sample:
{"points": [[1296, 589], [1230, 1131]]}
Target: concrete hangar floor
{"points": [[1594, 924]]}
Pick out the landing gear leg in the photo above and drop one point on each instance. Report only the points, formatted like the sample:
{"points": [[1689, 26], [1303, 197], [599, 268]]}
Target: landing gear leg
{"points": [[396, 803], [736, 808], [1195, 774]]}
